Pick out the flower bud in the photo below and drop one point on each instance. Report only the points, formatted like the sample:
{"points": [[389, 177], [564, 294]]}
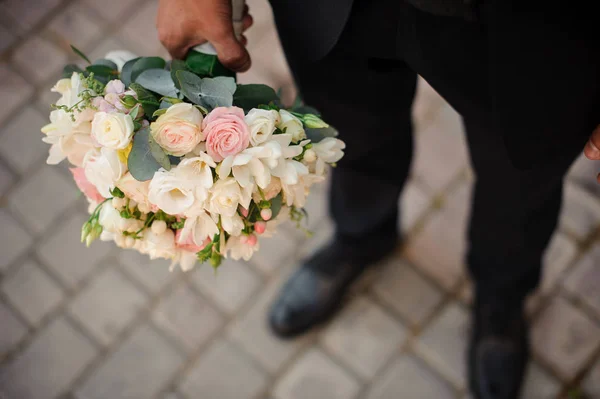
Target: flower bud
{"points": [[310, 156], [260, 227], [266, 214], [144, 208], [85, 231], [313, 121], [129, 242], [129, 101], [252, 240], [244, 239], [118, 203], [244, 211], [132, 205], [159, 227]]}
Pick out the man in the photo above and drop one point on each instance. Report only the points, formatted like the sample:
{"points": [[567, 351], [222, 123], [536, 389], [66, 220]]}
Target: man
{"points": [[525, 78]]}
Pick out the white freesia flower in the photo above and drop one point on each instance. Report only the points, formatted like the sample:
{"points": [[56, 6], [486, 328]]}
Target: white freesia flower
{"points": [[226, 195], [174, 191], [103, 169], [237, 248], [291, 125], [262, 124], [328, 150], [296, 194], [199, 227], [200, 167], [159, 245], [248, 167], [110, 218], [112, 130], [288, 169], [232, 224], [185, 259]]}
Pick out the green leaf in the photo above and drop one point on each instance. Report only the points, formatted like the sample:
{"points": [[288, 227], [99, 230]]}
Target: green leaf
{"points": [[252, 95], [228, 82], [158, 81], [276, 204], [159, 112], [145, 63], [177, 65], [206, 65], [216, 93], [108, 63], [101, 70], [146, 98], [126, 71], [116, 192], [316, 135], [141, 162], [191, 86], [305, 109], [69, 69], [80, 53], [205, 254]]}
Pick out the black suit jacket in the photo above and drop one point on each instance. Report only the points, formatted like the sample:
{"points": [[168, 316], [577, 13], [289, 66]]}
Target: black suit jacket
{"points": [[544, 65]]}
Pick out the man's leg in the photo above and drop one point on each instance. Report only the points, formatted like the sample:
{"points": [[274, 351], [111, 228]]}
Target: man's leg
{"points": [[369, 101]]}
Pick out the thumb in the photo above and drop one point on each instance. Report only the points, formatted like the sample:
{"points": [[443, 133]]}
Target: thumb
{"points": [[232, 53]]}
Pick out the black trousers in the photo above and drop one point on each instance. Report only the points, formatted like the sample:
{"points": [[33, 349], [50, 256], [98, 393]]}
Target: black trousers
{"points": [[368, 97]]}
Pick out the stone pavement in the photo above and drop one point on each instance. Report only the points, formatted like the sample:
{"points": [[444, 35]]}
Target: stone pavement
{"points": [[102, 323]]}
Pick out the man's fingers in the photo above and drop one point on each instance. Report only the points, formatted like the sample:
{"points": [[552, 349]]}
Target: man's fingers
{"points": [[247, 22], [592, 148], [232, 54]]}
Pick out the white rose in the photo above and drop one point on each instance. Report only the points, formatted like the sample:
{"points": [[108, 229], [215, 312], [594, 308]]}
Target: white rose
{"points": [[110, 218], [135, 189], [262, 124], [174, 192], [103, 169], [112, 130], [291, 125], [226, 195], [159, 245], [178, 131]]}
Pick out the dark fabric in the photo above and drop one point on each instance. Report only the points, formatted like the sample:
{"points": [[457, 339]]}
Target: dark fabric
{"points": [[368, 99], [542, 66]]}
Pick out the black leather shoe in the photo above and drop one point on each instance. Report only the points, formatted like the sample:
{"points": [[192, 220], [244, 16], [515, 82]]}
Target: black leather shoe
{"points": [[315, 291], [498, 351]]}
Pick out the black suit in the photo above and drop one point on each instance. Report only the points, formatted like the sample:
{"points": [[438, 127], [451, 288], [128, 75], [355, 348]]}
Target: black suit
{"points": [[526, 82]]}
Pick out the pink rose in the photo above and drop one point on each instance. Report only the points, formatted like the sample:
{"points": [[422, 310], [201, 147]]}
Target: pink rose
{"points": [[189, 244], [226, 132], [102, 105], [115, 86], [87, 188]]}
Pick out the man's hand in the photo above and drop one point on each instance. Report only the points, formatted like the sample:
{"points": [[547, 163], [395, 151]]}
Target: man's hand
{"points": [[183, 24], [592, 148]]}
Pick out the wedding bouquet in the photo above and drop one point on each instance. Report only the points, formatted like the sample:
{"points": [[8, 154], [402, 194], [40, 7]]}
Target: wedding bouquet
{"points": [[178, 161]]}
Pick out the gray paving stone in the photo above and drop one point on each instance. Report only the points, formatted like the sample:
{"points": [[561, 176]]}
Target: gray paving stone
{"points": [[559, 255], [36, 52], [317, 206], [14, 240], [40, 199], [74, 264], [444, 342], [315, 375], [77, 25], [440, 149], [223, 372], [152, 274], [275, 251], [584, 280], [48, 366], [32, 292], [438, 249], [406, 291], [364, 337], [137, 32], [44, 100], [139, 368], [13, 330], [27, 15], [187, 318], [112, 10], [107, 305], [13, 91], [581, 211], [230, 286], [565, 337], [591, 383], [21, 140], [6, 180], [539, 384], [413, 203], [252, 332], [318, 239], [409, 377]]}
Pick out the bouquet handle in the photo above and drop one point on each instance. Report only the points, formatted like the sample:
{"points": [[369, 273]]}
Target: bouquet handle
{"points": [[237, 13]]}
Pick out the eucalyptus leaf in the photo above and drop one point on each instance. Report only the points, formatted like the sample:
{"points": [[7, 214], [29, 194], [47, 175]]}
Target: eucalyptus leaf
{"points": [[69, 69], [191, 86], [252, 95], [108, 63], [158, 81], [141, 163], [146, 98], [101, 70], [80, 53], [145, 63], [174, 160], [316, 135], [177, 65], [126, 71], [158, 153], [227, 82], [216, 93]]}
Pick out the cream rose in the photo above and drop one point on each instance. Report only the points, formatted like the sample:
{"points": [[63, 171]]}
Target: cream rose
{"points": [[178, 131], [103, 169], [262, 124], [291, 125], [112, 130]]}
